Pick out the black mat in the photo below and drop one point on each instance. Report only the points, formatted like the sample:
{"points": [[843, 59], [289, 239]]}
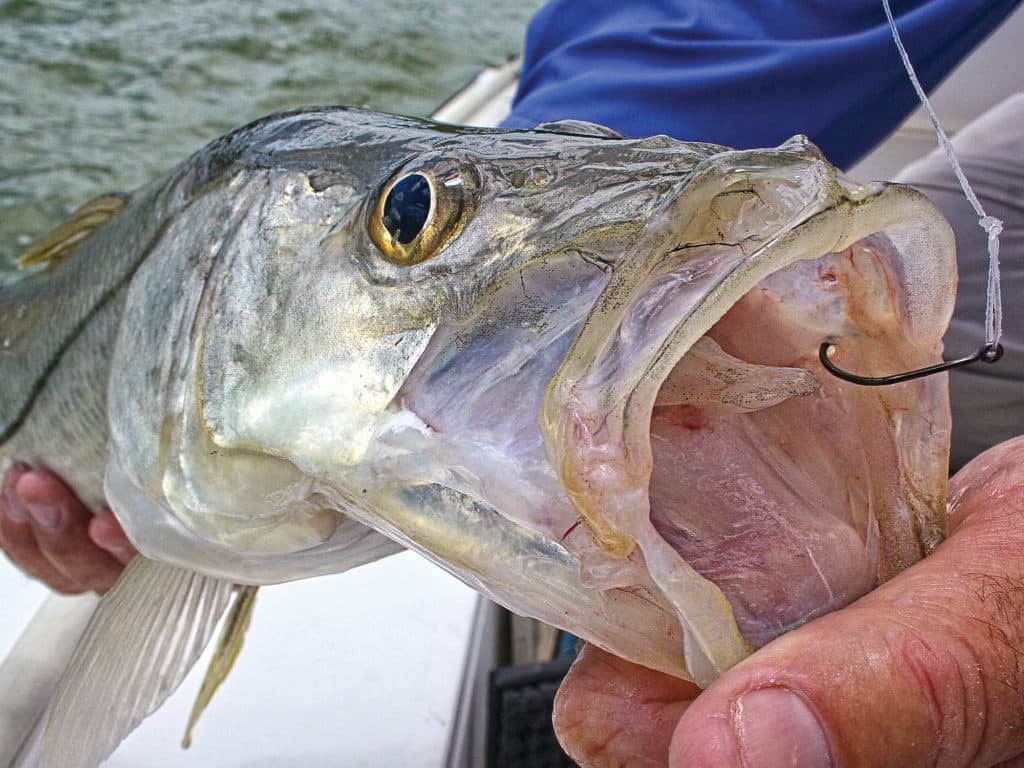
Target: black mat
{"points": [[519, 733]]}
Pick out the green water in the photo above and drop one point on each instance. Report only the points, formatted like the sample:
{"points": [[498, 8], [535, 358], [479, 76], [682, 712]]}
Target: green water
{"points": [[101, 95]]}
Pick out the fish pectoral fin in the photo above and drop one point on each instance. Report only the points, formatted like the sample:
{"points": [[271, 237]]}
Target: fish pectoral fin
{"points": [[145, 636], [232, 636], [54, 248]]}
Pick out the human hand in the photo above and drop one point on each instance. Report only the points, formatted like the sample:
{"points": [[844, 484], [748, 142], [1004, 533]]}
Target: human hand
{"points": [[50, 535], [926, 670]]}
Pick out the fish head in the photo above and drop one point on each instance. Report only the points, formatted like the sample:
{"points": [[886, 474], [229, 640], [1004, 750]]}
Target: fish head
{"points": [[577, 370]]}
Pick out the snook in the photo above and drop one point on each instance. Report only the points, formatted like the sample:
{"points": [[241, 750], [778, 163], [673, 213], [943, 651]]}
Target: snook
{"points": [[578, 371]]}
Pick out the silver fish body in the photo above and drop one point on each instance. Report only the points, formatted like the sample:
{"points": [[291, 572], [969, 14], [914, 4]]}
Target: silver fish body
{"points": [[576, 370]]}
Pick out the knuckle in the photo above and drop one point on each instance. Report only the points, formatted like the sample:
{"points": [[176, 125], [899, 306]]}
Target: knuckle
{"points": [[949, 680], [967, 668], [59, 546], [992, 515], [67, 540]]}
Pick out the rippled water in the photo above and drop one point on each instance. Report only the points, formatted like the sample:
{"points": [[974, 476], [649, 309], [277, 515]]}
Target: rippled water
{"points": [[101, 95]]}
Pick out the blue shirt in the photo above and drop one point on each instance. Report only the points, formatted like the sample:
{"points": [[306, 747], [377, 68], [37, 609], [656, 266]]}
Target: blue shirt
{"points": [[743, 74]]}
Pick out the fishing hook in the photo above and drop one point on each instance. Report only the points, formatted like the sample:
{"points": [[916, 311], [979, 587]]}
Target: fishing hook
{"points": [[987, 353]]}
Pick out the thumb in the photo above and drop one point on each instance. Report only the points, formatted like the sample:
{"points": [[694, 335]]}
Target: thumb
{"points": [[924, 671]]}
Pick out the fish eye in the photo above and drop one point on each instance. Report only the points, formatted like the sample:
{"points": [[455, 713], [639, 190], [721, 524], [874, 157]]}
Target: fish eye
{"points": [[420, 209]]}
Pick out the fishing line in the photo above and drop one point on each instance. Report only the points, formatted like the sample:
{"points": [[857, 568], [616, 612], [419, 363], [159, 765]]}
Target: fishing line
{"points": [[991, 351], [992, 226]]}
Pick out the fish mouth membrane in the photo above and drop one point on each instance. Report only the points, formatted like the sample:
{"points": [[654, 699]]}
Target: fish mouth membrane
{"points": [[704, 442], [768, 475]]}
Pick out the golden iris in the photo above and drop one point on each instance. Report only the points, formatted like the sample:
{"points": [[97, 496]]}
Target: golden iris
{"points": [[420, 209]]}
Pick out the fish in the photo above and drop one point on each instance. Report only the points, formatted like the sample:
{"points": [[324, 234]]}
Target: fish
{"points": [[578, 371]]}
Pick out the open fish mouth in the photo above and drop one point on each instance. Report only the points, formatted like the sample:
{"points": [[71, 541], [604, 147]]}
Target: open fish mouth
{"points": [[697, 433], [590, 387]]}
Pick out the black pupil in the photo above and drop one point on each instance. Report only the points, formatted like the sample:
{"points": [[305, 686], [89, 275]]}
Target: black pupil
{"points": [[407, 208]]}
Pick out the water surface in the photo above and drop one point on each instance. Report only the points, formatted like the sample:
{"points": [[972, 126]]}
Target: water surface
{"points": [[102, 95]]}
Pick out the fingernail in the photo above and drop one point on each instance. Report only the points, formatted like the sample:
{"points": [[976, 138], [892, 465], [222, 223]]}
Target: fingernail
{"points": [[15, 509], [775, 727], [44, 515]]}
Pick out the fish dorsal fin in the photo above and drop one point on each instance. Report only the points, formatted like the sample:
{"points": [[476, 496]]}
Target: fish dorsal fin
{"points": [[54, 248], [145, 636], [229, 645]]}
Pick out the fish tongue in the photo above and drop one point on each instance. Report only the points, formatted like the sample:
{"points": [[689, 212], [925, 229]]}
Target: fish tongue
{"points": [[711, 382]]}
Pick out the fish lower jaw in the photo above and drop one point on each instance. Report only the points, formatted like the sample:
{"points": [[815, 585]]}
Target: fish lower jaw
{"points": [[608, 502]]}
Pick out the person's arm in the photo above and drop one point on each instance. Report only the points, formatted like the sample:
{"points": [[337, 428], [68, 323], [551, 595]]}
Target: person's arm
{"points": [[48, 534], [743, 74], [924, 671]]}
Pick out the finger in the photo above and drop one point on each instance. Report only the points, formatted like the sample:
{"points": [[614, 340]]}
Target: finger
{"points": [[107, 533], [611, 712], [60, 523], [17, 538], [10, 504], [19, 544], [925, 670]]}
